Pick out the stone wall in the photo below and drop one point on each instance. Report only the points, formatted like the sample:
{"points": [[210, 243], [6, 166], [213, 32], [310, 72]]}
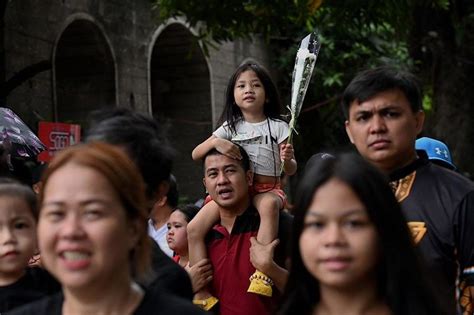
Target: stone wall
{"points": [[124, 38]]}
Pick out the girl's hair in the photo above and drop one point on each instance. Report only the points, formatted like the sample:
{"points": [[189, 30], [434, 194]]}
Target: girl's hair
{"points": [[123, 176], [189, 211], [232, 113], [400, 277], [14, 189]]}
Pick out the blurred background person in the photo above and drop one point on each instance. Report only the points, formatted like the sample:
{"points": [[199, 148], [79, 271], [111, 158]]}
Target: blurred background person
{"points": [[351, 251], [201, 272], [20, 284], [437, 151], [146, 144], [160, 214]]}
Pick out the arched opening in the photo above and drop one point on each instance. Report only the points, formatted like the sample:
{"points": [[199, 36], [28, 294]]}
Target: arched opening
{"points": [[84, 72], [181, 94]]}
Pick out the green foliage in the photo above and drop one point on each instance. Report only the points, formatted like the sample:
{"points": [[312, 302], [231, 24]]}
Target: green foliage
{"points": [[354, 34], [230, 19], [428, 101]]}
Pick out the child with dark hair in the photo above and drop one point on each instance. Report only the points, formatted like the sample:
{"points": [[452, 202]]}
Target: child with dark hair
{"points": [[20, 284], [251, 118], [352, 252], [177, 237]]}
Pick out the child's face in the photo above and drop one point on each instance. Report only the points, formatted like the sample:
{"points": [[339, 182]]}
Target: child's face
{"points": [[339, 243], [17, 238], [249, 93], [177, 237]]}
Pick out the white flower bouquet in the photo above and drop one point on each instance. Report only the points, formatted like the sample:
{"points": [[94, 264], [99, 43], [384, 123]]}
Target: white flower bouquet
{"points": [[304, 65]]}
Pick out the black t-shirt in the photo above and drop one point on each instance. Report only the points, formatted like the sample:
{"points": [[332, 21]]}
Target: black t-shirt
{"points": [[154, 302], [439, 207], [167, 275], [35, 284]]}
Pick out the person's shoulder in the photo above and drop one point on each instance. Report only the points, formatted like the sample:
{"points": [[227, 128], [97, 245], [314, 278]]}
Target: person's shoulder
{"points": [[278, 122], [168, 276], [37, 272], [43, 278], [51, 305], [448, 178], [165, 303]]}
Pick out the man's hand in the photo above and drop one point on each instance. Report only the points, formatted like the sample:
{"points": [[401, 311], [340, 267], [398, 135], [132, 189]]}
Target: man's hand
{"points": [[227, 148], [200, 274], [261, 256]]}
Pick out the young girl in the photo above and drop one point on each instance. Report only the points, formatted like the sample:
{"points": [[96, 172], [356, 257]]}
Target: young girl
{"points": [[250, 119], [18, 214], [177, 238], [352, 252]]}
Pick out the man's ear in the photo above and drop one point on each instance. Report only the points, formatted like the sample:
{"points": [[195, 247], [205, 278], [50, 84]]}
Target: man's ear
{"points": [[348, 131], [249, 177], [161, 202], [204, 183], [420, 120], [161, 192]]}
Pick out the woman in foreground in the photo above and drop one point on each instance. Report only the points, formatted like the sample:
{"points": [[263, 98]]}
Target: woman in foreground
{"points": [[93, 236]]}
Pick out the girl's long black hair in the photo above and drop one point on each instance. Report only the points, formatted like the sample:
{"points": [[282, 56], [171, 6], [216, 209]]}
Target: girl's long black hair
{"points": [[232, 113], [400, 277]]}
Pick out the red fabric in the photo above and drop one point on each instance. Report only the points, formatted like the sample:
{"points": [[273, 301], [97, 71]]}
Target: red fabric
{"points": [[176, 258], [230, 258], [273, 188]]}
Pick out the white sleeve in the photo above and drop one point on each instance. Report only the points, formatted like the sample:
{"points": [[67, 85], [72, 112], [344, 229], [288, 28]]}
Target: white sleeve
{"points": [[223, 132], [283, 130]]}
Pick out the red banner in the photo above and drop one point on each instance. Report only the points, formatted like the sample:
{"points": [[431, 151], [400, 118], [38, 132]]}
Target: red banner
{"points": [[57, 136]]}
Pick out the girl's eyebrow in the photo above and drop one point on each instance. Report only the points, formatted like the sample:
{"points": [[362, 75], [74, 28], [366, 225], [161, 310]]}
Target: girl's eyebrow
{"points": [[243, 81], [314, 213]]}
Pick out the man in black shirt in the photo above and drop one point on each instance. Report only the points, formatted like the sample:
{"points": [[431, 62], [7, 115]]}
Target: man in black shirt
{"points": [[384, 116], [144, 141]]}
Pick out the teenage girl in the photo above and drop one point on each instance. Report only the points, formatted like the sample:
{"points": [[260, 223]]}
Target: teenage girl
{"points": [[251, 118], [351, 250]]}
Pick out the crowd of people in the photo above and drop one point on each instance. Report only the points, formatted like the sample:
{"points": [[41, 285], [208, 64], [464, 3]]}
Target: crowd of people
{"points": [[387, 229]]}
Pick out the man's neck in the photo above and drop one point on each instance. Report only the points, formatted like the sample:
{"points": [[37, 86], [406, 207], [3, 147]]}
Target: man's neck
{"points": [[228, 215], [395, 166]]}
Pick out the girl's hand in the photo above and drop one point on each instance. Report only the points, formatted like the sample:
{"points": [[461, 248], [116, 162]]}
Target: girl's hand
{"points": [[200, 274], [286, 152], [227, 148]]}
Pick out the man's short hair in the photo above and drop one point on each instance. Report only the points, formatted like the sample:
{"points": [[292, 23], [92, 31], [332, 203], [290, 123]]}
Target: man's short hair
{"points": [[143, 139], [244, 162], [371, 82], [172, 196]]}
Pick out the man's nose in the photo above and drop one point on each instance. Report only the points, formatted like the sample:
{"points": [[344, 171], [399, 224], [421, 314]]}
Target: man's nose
{"points": [[377, 124], [222, 178]]}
